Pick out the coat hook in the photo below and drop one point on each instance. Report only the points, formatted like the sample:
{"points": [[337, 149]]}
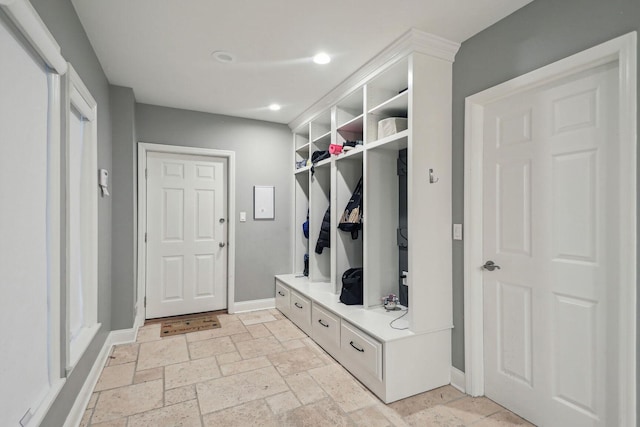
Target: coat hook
{"points": [[432, 178]]}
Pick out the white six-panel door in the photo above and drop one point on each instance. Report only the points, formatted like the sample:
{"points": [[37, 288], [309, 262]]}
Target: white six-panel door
{"points": [[186, 234], [549, 221]]}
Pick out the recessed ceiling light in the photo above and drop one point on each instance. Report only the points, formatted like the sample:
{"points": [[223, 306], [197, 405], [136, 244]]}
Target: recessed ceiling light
{"points": [[322, 58], [274, 107], [223, 56]]}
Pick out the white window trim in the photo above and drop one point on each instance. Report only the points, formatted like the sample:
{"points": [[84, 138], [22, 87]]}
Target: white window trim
{"points": [[30, 25], [79, 97]]}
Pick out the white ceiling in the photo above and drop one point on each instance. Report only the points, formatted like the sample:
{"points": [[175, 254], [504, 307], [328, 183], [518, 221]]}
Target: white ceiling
{"points": [[162, 48]]}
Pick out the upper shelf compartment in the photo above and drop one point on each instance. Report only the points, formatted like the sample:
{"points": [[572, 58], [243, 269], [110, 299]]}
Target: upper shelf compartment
{"points": [[388, 93], [320, 131]]}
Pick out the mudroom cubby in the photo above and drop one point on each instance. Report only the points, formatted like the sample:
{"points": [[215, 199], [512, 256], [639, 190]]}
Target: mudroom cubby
{"points": [[319, 203], [395, 353], [348, 252]]}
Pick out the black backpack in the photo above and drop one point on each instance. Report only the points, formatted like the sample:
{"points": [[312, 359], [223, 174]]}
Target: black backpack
{"points": [[351, 287], [351, 220]]}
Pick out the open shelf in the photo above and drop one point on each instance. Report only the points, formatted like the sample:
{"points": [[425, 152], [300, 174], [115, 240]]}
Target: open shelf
{"points": [[397, 106], [397, 141]]}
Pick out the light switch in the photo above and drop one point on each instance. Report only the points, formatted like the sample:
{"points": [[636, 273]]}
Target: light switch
{"points": [[457, 231], [243, 217]]}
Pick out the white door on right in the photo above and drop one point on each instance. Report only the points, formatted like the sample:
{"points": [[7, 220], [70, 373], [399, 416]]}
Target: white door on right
{"points": [[550, 223]]}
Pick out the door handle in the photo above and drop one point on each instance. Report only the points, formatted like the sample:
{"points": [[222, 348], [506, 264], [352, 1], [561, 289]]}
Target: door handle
{"points": [[361, 350], [221, 244], [322, 323], [490, 265]]}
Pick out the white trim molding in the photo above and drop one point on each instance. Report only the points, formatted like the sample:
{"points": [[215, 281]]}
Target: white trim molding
{"points": [[143, 149], [457, 379], [31, 26], [122, 336], [254, 305], [622, 51], [411, 41]]}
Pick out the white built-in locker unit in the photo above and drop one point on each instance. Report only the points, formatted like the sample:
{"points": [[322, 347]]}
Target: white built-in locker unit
{"points": [[412, 79]]}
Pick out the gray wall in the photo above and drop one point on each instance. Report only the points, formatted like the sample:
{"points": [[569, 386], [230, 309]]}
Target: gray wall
{"points": [[263, 157], [62, 21], [122, 188], [541, 33]]}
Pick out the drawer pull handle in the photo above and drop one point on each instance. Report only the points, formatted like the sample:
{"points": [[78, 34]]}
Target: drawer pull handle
{"points": [[322, 323], [297, 305], [280, 293], [361, 350]]}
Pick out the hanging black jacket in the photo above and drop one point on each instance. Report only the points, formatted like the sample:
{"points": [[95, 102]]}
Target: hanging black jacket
{"points": [[324, 237]]}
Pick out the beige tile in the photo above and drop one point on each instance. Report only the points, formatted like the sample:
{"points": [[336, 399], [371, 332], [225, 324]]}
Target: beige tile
{"points": [[256, 317], [124, 401], [122, 422], [123, 353], [180, 394], [429, 399], [148, 375], [190, 372], [245, 336], [225, 358], [163, 352], [320, 353], [86, 418], [471, 409], [229, 391], [322, 413], [115, 376], [258, 330], [282, 402], [149, 333], [393, 416], [290, 345], [342, 388], [370, 417], [284, 330], [305, 388], [259, 347], [296, 360], [503, 419], [212, 347], [232, 328], [434, 416], [184, 414], [226, 319], [245, 365], [250, 414], [92, 401]]}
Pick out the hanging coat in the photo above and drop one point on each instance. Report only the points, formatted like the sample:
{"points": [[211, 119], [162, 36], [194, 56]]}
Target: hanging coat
{"points": [[324, 236]]}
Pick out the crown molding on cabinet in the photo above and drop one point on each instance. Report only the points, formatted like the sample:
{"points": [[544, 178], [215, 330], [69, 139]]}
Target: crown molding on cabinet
{"points": [[411, 41]]}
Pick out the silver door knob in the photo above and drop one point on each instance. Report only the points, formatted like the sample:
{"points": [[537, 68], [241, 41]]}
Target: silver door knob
{"points": [[221, 244], [490, 265]]}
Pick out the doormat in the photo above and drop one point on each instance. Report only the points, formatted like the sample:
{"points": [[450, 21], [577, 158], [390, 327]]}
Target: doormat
{"points": [[182, 326]]}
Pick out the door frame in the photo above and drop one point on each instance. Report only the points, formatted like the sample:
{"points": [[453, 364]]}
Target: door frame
{"points": [[143, 149], [622, 50]]}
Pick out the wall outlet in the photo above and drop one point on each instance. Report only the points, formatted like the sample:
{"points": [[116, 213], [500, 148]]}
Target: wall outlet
{"points": [[405, 278]]}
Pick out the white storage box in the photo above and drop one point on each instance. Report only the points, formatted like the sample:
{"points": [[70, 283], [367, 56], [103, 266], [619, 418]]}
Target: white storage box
{"points": [[390, 126]]}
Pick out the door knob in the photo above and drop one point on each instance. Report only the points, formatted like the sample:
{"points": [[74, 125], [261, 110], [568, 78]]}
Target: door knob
{"points": [[490, 265], [221, 244], [221, 220]]}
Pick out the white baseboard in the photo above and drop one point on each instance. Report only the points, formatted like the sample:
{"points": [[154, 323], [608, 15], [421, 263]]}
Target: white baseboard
{"points": [[457, 379], [121, 336], [258, 304]]}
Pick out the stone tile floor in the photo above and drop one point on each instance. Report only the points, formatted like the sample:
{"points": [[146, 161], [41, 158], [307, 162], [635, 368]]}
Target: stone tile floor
{"points": [[258, 369]]}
